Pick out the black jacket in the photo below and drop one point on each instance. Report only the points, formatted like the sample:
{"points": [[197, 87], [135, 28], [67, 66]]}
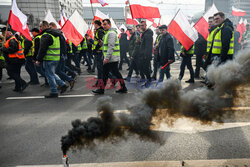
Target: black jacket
{"points": [[200, 48], [46, 41], [36, 48], [123, 42], [100, 35], [13, 47], [226, 35], [166, 49], [146, 44], [27, 46], [63, 46]]}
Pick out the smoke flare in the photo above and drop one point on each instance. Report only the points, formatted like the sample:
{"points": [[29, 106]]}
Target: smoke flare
{"points": [[165, 105]]}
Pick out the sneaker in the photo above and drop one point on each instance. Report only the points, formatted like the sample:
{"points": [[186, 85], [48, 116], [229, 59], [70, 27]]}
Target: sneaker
{"points": [[24, 86], [17, 90], [190, 81], [64, 88], [98, 91], [154, 78], [45, 85], [52, 95], [71, 84], [34, 83], [122, 90]]}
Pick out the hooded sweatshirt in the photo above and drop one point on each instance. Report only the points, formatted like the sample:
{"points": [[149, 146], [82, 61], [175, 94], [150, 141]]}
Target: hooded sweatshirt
{"points": [[46, 41]]}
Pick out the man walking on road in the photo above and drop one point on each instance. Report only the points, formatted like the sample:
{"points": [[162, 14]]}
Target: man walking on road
{"points": [[49, 53], [14, 56], [146, 50], [111, 52]]}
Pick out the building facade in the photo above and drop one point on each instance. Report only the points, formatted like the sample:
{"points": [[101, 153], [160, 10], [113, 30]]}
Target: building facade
{"points": [[36, 9]]}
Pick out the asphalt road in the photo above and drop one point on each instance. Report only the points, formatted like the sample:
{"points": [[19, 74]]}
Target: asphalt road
{"points": [[31, 129]]}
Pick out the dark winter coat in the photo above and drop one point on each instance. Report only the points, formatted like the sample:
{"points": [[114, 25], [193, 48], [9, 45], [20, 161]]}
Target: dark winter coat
{"points": [[146, 48], [166, 49], [200, 48]]}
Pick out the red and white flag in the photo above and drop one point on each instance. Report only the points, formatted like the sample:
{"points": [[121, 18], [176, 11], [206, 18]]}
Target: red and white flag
{"points": [[100, 16], [75, 28], [18, 21], [102, 2], [181, 29], [238, 12], [144, 9], [63, 18], [241, 27], [202, 24], [131, 21], [153, 24], [49, 18], [245, 22]]}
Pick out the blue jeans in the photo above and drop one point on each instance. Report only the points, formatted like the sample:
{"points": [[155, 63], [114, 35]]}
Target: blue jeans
{"points": [[31, 69], [60, 70], [53, 79], [166, 71]]}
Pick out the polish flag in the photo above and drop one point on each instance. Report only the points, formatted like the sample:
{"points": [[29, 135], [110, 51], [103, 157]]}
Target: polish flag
{"points": [[181, 29], [75, 28], [63, 19], [238, 12], [18, 21], [100, 16], [131, 21], [153, 23], [49, 18], [245, 22], [144, 9], [113, 25], [241, 28], [202, 24], [99, 1]]}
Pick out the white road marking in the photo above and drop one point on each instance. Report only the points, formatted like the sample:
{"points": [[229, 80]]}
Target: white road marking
{"points": [[42, 97]]}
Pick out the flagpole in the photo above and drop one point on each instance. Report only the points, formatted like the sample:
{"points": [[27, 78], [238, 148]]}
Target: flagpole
{"points": [[7, 26], [93, 15], [159, 21], [174, 16]]}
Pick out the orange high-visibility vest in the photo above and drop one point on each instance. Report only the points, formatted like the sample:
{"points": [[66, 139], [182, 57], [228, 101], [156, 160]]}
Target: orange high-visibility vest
{"points": [[19, 54]]}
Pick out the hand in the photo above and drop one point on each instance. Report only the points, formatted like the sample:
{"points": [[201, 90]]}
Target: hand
{"points": [[105, 61], [37, 63], [170, 61], [100, 42]]}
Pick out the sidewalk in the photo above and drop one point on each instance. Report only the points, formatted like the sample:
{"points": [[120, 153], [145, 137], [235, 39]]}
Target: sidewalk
{"points": [[186, 163]]}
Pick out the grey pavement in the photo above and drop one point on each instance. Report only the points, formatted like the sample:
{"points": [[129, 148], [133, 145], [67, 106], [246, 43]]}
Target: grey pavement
{"points": [[31, 129]]}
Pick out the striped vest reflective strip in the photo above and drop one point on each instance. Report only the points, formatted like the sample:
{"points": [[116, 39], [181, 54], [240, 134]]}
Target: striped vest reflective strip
{"points": [[116, 51], [53, 52], [217, 46]]}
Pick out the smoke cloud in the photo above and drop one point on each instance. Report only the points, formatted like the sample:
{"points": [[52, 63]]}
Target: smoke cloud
{"points": [[165, 105]]}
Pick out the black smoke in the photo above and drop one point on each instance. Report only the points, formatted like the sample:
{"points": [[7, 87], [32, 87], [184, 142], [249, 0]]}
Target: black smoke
{"points": [[165, 105]]}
